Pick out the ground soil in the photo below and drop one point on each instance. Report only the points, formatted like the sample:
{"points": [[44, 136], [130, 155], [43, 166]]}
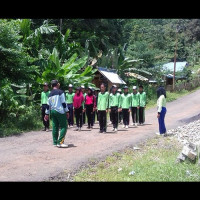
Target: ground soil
{"points": [[32, 157]]}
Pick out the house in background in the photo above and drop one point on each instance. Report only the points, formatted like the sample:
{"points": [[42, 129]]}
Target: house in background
{"points": [[169, 67], [107, 76]]}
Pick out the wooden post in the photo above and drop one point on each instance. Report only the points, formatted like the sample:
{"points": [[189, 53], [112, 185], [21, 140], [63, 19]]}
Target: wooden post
{"points": [[175, 61]]}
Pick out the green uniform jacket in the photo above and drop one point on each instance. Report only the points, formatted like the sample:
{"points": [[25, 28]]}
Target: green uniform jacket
{"points": [[114, 100], [44, 97], [125, 101], [83, 104], [102, 103], [69, 97], [161, 102], [142, 99], [135, 100]]}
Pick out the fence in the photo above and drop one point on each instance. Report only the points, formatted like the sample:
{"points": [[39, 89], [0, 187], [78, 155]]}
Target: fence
{"points": [[185, 85]]}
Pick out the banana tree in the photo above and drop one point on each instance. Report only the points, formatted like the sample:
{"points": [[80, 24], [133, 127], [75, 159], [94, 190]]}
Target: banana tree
{"points": [[73, 70]]}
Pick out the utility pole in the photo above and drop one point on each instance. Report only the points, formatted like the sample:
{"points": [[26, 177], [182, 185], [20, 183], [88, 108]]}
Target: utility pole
{"points": [[60, 25], [175, 60]]}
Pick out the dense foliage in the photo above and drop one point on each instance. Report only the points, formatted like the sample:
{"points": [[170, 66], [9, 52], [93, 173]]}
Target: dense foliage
{"points": [[36, 50]]}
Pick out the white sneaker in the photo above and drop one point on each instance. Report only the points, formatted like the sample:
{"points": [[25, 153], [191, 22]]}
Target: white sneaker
{"points": [[71, 126], [62, 145], [115, 130], [158, 134], [79, 129], [123, 126], [109, 123], [135, 124], [126, 126]]}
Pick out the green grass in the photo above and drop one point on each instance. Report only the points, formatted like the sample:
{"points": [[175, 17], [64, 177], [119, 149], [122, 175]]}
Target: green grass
{"points": [[156, 161], [171, 96]]}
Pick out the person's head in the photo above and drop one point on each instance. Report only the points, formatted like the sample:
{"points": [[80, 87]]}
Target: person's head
{"points": [[90, 91], [102, 87], [55, 84], [125, 89], [82, 88], [70, 87], [161, 91], [45, 87], [114, 89], [78, 90], [119, 91], [140, 88], [134, 89]]}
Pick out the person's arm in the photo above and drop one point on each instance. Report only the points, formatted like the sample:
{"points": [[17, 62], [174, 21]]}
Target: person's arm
{"points": [[47, 111], [64, 104], [107, 102], [145, 99], [94, 100], [129, 100], [160, 101]]}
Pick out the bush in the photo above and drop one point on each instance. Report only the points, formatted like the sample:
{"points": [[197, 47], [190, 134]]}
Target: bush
{"points": [[28, 118]]}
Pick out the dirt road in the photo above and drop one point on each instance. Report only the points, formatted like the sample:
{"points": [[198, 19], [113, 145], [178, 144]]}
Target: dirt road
{"points": [[32, 157]]}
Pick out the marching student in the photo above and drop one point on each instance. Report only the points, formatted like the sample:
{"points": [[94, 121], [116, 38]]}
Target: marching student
{"points": [[84, 94], [125, 105], [96, 113], [78, 108], [44, 99], [109, 123], [142, 105], [59, 111], [161, 103], [134, 105], [90, 106], [120, 113], [69, 100], [102, 108], [114, 99]]}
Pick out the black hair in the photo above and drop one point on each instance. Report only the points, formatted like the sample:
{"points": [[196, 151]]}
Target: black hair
{"points": [[92, 91], [161, 91], [54, 83], [103, 84], [141, 86]]}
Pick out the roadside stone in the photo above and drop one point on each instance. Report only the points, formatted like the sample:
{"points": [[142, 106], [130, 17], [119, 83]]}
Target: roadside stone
{"points": [[181, 158], [136, 148]]}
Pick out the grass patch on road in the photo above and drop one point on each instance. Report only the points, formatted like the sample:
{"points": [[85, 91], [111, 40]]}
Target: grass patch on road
{"points": [[171, 96], [155, 161]]}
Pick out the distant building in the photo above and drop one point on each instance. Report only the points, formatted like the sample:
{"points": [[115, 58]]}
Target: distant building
{"points": [[107, 76], [179, 66]]}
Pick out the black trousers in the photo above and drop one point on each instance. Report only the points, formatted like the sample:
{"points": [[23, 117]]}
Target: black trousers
{"points": [[141, 115], [71, 117], [90, 115], [125, 114], [102, 120], [120, 117], [46, 123], [114, 116], [79, 116], [83, 118], [134, 111]]}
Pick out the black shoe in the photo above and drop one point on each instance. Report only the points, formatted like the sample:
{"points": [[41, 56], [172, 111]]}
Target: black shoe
{"points": [[100, 131], [88, 127], [44, 129]]}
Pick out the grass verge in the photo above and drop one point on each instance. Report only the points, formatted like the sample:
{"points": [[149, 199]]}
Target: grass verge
{"points": [[171, 96], [155, 161]]}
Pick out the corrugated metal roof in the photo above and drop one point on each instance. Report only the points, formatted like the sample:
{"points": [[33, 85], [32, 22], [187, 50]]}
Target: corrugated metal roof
{"points": [[111, 75], [170, 66], [137, 76]]}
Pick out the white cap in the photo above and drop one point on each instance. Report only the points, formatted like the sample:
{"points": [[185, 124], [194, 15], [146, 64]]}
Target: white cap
{"points": [[119, 90], [134, 87], [70, 85], [82, 86], [114, 86]]}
